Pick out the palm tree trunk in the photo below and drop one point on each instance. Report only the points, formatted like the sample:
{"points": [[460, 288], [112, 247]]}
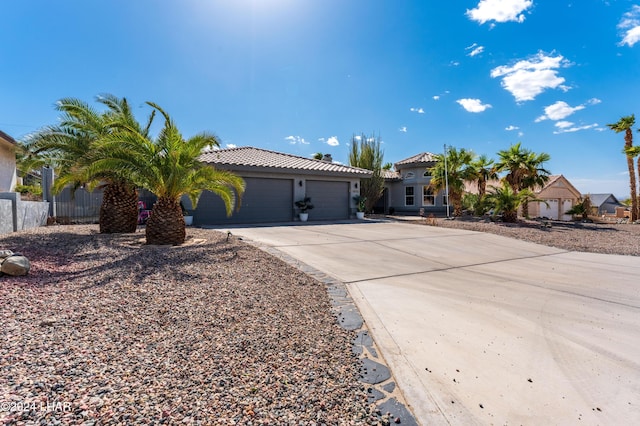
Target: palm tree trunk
{"points": [[525, 209], [166, 223], [119, 209], [510, 216], [628, 142]]}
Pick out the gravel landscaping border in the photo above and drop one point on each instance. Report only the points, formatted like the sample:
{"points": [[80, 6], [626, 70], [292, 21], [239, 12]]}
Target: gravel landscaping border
{"points": [[106, 330]]}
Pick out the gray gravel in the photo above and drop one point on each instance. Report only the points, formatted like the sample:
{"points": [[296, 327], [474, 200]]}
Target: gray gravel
{"points": [[105, 330], [603, 238]]}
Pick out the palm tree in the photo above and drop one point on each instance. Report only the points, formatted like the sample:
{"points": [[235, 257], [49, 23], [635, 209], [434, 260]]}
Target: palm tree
{"points": [[168, 166], [481, 171], [625, 124], [70, 148], [524, 170], [506, 201], [458, 170]]}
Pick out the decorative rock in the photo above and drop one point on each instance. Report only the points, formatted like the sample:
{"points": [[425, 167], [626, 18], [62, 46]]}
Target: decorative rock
{"points": [[15, 265], [5, 253]]}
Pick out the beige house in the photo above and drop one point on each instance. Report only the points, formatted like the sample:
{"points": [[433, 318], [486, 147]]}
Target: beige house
{"points": [[7, 162], [560, 195]]}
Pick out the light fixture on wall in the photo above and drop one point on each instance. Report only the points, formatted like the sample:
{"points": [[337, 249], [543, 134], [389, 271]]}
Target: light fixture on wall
{"points": [[300, 183]]}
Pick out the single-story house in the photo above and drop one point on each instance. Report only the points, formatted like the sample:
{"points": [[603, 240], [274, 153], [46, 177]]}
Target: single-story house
{"points": [[275, 181], [604, 204], [7, 162], [560, 195], [406, 188]]}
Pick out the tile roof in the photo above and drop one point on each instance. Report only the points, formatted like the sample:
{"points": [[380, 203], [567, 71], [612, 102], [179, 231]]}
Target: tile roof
{"points": [[391, 175], [250, 157], [423, 157]]}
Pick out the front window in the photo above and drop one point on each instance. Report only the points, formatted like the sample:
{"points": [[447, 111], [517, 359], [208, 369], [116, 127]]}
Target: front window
{"points": [[408, 196], [409, 175], [428, 197]]}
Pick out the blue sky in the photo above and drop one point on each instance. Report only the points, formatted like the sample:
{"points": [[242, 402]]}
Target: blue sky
{"points": [[303, 76]]}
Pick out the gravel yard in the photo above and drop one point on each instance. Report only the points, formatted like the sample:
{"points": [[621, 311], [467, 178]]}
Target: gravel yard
{"points": [[575, 236], [105, 330]]}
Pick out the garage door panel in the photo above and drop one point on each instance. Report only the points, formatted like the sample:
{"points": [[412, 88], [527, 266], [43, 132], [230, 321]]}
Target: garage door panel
{"points": [[550, 211], [265, 200], [330, 200]]}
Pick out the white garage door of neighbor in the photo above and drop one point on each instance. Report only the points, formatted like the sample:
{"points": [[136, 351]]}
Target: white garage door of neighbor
{"points": [[550, 211]]}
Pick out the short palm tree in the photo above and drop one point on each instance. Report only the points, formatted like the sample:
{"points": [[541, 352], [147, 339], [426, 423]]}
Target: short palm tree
{"points": [[452, 172], [481, 171], [69, 147], [506, 201], [168, 166], [625, 124], [524, 170]]}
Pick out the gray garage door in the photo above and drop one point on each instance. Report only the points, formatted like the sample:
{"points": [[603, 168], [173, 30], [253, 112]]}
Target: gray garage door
{"points": [[330, 200], [265, 200]]}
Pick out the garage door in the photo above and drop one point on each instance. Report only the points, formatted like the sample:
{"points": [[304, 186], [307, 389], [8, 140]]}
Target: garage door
{"points": [[330, 200], [264, 200], [550, 211]]}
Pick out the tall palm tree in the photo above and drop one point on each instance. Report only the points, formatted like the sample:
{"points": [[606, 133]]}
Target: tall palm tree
{"points": [[458, 170], [481, 171], [625, 124], [69, 147], [168, 166], [524, 170]]}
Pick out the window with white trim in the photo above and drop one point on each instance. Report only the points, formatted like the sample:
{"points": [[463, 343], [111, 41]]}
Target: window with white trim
{"points": [[408, 196], [428, 197]]}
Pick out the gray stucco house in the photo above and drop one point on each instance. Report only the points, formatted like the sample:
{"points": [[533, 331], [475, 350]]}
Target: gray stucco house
{"points": [[406, 188], [604, 203], [275, 181]]}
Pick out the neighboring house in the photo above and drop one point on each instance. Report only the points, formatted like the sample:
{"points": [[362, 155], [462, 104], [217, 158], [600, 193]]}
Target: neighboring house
{"points": [[604, 204], [275, 181], [407, 187], [560, 195], [7, 162]]}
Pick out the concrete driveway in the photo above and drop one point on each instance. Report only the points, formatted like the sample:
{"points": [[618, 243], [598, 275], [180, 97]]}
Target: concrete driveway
{"points": [[482, 329]]}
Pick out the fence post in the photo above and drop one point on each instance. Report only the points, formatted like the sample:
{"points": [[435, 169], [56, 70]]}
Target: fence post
{"points": [[48, 177]]}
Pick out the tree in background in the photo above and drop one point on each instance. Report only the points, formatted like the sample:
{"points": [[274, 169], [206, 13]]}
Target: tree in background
{"points": [[69, 148], [524, 170], [506, 201], [318, 156], [452, 172], [366, 153], [481, 171], [625, 124], [582, 208], [168, 166]]}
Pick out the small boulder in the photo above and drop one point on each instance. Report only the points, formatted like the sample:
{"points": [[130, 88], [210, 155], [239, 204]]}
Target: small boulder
{"points": [[15, 265]]}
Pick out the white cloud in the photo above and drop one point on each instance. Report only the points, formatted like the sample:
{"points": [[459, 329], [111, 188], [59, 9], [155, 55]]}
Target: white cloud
{"points": [[454, 63], [527, 78], [418, 110], [436, 97], [231, 145], [558, 111], [321, 139], [630, 27], [333, 141], [499, 10], [511, 128], [568, 127], [403, 129], [594, 101], [473, 105], [563, 124], [475, 49], [293, 140]]}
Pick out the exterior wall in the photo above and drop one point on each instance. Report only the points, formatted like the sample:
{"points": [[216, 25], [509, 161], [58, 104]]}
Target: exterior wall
{"points": [[299, 185], [7, 166], [18, 215], [6, 216], [397, 192], [563, 192]]}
